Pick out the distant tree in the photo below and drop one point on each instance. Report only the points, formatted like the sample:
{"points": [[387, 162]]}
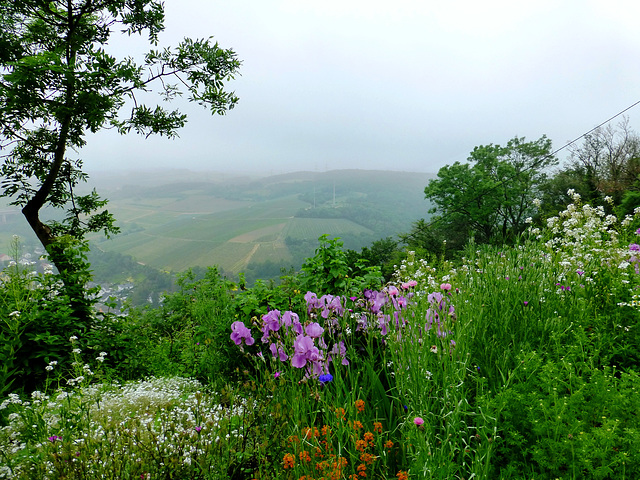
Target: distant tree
{"points": [[606, 163], [435, 238], [492, 194], [58, 83], [381, 253]]}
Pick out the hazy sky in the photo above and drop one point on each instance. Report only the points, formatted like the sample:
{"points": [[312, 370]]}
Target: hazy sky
{"points": [[403, 85]]}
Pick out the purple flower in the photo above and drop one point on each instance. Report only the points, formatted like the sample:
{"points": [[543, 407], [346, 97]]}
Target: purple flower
{"points": [[239, 332], [277, 351], [277, 374], [340, 349], [54, 438], [375, 300], [271, 323], [383, 323], [314, 330], [526, 303], [312, 301], [305, 351], [289, 318], [331, 304], [634, 247], [198, 429]]}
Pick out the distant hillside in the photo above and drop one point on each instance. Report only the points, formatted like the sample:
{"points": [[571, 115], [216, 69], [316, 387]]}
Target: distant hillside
{"points": [[173, 220], [257, 224]]}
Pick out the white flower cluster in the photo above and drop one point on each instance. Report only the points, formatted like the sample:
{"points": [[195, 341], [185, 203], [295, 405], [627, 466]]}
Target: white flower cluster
{"points": [[172, 415], [418, 270], [582, 235]]}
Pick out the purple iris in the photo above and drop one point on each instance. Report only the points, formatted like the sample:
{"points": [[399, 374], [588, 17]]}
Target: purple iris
{"points": [[239, 332], [305, 351], [314, 330]]}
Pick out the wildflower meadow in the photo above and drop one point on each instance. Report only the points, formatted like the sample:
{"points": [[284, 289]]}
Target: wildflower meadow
{"points": [[516, 362]]}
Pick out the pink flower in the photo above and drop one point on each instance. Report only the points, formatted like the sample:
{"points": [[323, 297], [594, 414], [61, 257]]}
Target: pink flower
{"points": [[409, 284], [418, 421], [445, 286]]}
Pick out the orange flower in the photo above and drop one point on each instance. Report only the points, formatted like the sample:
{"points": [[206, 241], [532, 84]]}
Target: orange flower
{"points": [[377, 427], [310, 432], [367, 458], [368, 437], [362, 470], [340, 413], [304, 456], [402, 475], [357, 425], [361, 445], [326, 430], [360, 405], [289, 460], [388, 445]]}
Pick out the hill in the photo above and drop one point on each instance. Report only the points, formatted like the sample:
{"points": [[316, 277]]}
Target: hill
{"points": [[255, 224], [177, 219]]}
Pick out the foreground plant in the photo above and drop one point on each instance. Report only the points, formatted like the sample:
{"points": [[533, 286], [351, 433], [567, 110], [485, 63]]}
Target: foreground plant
{"points": [[157, 428]]}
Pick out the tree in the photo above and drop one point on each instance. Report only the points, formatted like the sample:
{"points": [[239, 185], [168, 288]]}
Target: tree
{"points": [[492, 194], [607, 163], [58, 83]]}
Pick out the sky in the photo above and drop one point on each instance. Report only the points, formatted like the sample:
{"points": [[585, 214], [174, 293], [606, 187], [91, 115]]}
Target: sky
{"points": [[404, 85]]}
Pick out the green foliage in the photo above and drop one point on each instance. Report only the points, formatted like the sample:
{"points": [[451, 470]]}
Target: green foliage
{"points": [[384, 253], [41, 312], [328, 271], [515, 362], [567, 418], [191, 329], [492, 193]]}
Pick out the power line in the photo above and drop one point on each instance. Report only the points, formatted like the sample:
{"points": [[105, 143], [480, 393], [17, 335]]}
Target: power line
{"points": [[534, 165]]}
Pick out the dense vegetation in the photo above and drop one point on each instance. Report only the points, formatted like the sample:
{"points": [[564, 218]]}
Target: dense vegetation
{"points": [[498, 340], [514, 362]]}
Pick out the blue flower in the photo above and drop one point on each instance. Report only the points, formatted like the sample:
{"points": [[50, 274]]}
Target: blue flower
{"points": [[325, 378]]}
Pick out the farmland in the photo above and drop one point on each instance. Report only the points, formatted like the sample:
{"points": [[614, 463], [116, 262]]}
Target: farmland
{"points": [[176, 220]]}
